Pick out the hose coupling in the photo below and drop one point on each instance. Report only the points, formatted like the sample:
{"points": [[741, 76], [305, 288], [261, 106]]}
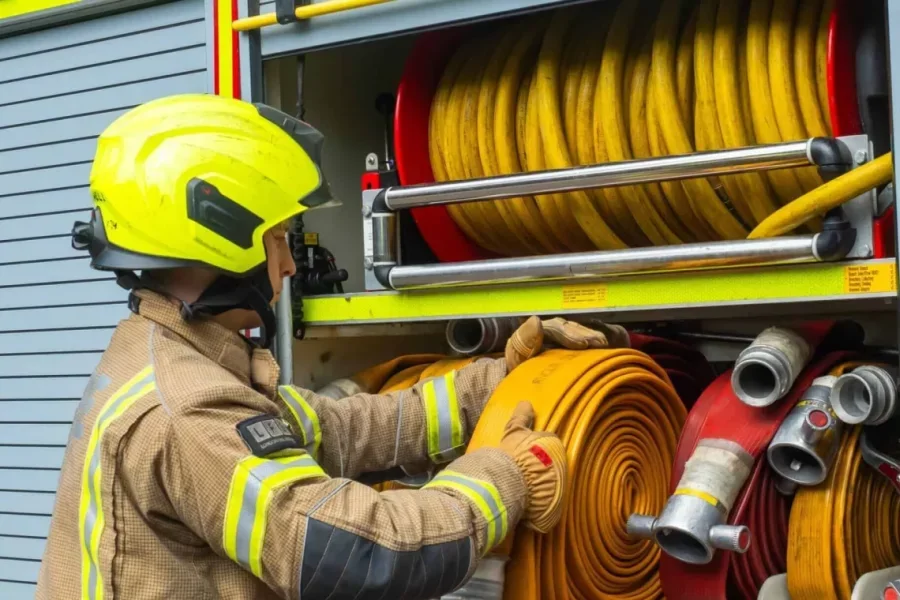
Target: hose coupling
{"points": [[766, 369], [468, 337], [486, 583], [690, 529], [805, 445], [785, 487], [866, 395], [692, 524]]}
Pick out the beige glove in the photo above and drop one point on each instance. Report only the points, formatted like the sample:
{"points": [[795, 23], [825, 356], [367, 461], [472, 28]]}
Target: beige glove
{"points": [[534, 335], [542, 459]]}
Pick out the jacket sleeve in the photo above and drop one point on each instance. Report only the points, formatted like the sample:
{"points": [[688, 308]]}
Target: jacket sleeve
{"points": [[428, 424], [240, 479]]}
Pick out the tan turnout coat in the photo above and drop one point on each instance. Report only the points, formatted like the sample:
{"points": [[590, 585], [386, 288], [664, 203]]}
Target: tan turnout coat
{"points": [[190, 474]]}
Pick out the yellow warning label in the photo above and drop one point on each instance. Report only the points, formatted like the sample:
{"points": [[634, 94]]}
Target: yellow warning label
{"points": [[869, 279], [584, 295], [310, 239]]}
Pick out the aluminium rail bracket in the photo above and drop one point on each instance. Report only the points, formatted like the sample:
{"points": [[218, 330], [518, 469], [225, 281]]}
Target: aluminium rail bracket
{"points": [[861, 211], [284, 10]]}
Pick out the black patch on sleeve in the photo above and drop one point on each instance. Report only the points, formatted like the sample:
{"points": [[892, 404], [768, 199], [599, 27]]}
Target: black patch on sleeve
{"points": [[341, 565], [266, 434]]}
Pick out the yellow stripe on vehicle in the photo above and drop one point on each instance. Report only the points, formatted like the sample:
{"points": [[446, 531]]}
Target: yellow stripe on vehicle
{"points": [[484, 496], [15, 8], [444, 431], [253, 483], [306, 418], [874, 278], [91, 517]]}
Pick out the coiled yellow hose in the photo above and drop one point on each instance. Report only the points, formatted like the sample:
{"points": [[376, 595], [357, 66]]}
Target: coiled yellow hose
{"points": [[620, 419], [632, 79], [825, 197], [846, 527]]}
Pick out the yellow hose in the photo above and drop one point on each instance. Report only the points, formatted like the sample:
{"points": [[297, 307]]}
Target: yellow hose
{"points": [[633, 79], [620, 419], [830, 195], [843, 528]]}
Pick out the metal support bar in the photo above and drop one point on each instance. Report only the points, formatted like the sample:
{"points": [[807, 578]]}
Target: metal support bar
{"points": [[845, 233], [615, 262], [824, 152]]}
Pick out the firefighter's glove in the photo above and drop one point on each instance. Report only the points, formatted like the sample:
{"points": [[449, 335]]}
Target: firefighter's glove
{"points": [[542, 459], [535, 335]]}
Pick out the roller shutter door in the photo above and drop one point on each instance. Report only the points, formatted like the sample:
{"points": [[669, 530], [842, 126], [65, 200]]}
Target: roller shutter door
{"points": [[58, 89]]}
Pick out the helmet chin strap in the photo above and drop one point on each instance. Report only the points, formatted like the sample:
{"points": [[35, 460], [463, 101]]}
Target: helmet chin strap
{"points": [[227, 293]]}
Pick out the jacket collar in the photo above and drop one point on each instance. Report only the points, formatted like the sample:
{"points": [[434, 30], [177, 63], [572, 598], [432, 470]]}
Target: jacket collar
{"points": [[227, 348]]}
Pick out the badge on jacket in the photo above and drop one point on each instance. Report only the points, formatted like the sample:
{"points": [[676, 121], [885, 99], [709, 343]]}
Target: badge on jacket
{"points": [[267, 434]]}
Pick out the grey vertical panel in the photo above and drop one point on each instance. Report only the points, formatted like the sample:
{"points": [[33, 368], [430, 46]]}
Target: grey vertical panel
{"points": [[59, 88]]}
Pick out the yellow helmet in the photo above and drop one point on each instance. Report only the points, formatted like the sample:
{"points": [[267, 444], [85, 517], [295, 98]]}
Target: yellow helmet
{"points": [[196, 180]]}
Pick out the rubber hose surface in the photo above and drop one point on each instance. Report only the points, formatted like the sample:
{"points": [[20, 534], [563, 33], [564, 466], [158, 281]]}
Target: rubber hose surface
{"points": [[719, 414], [768, 513], [831, 195], [845, 527], [623, 80], [619, 417]]}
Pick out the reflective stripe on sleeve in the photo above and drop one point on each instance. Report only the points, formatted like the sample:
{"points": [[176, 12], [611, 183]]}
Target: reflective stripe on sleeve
{"points": [[484, 496], [444, 429], [305, 417], [90, 509], [253, 484]]}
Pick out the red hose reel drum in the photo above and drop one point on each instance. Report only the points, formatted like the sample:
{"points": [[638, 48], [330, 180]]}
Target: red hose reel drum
{"points": [[418, 84]]}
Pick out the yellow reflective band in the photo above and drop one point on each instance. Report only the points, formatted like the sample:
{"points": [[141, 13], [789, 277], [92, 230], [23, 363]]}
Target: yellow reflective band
{"points": [[484, 496], [305, 417], [708, 498], [748, 285], [90, 510], [443, 427], [253, 483]]}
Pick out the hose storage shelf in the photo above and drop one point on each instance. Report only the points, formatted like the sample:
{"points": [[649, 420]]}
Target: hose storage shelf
{"points": [[800, 288]]}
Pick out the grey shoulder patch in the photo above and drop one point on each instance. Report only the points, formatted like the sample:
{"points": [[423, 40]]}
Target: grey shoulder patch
{"points": [[267, 434], [341, 565]]}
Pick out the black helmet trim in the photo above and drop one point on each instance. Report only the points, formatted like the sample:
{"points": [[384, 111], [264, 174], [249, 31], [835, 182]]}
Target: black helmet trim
{"points": [[105, 256], [311, 140], [252, 290], [212, 209]]}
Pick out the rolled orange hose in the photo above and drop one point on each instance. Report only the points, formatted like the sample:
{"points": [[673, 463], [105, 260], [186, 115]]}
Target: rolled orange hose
{"points": [[619, 417], [843, 528]]}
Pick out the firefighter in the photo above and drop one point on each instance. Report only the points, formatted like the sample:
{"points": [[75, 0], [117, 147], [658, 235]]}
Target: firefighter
{"points": [[189, 473]]}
